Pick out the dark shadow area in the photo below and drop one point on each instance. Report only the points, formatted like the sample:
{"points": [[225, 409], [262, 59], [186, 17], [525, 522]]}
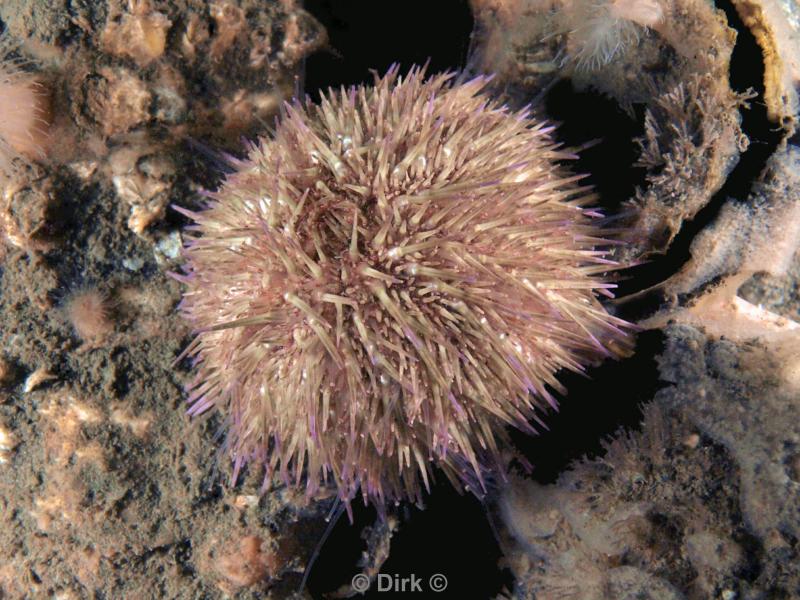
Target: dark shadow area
{"points": [[338, 558], [747, 72], [451, 537], [367, 34], [595, 408], [590, 117]]}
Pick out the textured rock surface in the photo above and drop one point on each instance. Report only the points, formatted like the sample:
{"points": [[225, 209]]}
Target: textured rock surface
{"points": [[105, 488], [702, 502]]}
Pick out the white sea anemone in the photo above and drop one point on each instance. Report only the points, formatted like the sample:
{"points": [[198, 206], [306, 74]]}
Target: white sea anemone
{"points": [[600, 30]]}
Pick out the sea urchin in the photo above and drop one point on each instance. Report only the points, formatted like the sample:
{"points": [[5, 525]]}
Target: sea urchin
{"points": [[387, 283], [24, 112]]}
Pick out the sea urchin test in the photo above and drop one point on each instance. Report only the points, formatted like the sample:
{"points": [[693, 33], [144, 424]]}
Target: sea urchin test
{"points": [[387, 283]]}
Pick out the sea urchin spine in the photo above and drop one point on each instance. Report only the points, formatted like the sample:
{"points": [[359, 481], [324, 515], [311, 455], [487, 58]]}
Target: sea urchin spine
{"points": [[387, 283], [24, 112]]}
